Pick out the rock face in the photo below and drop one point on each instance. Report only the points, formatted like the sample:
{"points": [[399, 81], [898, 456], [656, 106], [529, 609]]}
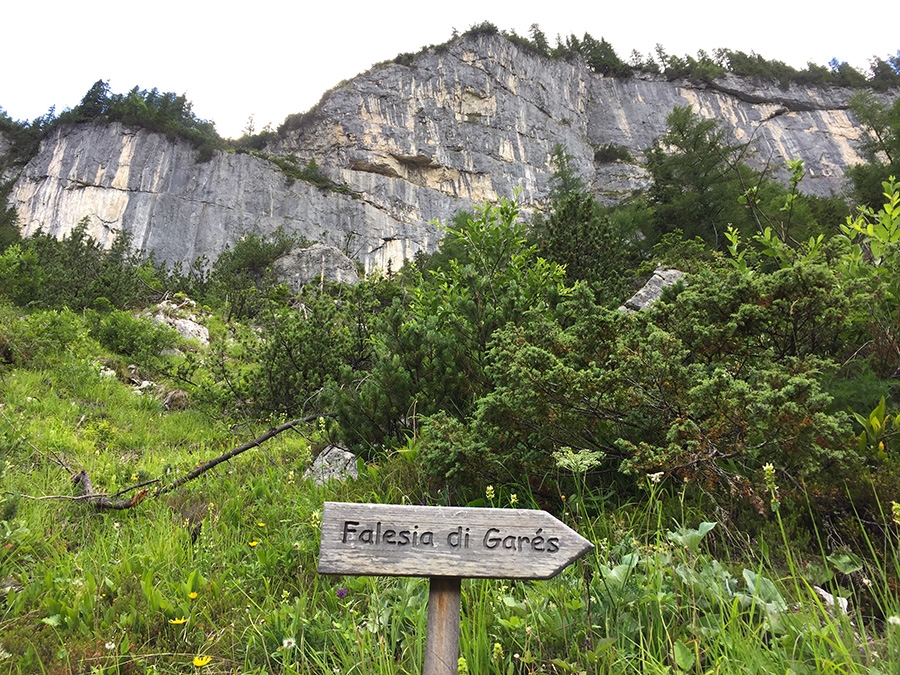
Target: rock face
{"points": [[651, 290], [318, 262], [471, 121]]}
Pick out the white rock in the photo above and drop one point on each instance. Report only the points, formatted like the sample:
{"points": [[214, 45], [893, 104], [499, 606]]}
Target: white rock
{"points": [[333, 463]]}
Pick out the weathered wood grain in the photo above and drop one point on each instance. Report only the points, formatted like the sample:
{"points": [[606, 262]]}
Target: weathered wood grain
{"points": [[442, 639], [430, 541]]}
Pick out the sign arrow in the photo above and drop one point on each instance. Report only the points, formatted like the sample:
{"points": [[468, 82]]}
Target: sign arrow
{"points": [[445, 541]]}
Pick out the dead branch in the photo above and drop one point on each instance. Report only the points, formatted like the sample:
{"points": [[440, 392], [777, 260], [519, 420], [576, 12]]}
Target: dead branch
{"points": [[136, 486], [259, 440], [101, 501]]}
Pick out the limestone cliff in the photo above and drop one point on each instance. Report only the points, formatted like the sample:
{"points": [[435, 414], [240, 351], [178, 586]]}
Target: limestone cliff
{"points": [[471, 121]]}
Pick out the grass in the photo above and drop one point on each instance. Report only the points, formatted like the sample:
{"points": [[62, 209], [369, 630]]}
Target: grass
{"points": [[220, 575]]}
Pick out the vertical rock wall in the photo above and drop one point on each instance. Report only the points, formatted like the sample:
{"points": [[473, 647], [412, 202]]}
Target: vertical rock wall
{"points": [[472, 121]]}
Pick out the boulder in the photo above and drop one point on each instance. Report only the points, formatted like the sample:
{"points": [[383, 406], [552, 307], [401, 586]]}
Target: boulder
{"points": [[333, 463], [179, 317], [651, 291]]}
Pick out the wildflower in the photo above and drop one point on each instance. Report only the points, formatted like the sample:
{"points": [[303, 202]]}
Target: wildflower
{"points": [[577, 462], [769, 474], [288, 643], [178, 621], [261, 524], [513, 499], [253, 543], [894, 620], [771, 485], [655, 477], [110, 646], [489, 493], [192, 595], [117, 525], [201, 661], [4, 654], [462, 666], [341, 592], [497, 652], [895, 512]]}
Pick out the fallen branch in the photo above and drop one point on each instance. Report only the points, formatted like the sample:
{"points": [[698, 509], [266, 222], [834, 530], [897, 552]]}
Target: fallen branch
{"points": [[259, 440], [101, 501]]}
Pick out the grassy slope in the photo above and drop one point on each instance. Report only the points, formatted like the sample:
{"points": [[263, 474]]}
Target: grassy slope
{"points": [[224, 567]]}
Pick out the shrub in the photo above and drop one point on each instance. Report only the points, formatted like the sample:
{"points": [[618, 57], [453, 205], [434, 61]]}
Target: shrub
{"points": [[139, 338], [611, 152], [163, 112]]}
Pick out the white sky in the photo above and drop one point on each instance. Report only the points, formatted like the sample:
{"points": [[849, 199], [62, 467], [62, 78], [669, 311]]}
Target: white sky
{"points": [[269, 59]]}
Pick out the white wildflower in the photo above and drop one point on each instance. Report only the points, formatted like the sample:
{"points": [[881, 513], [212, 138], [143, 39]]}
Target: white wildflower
{"points": [[578, 462]]}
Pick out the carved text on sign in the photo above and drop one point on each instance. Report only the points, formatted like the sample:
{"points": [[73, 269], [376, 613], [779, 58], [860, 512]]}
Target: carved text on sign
{"points": [[394, 540], [494, 538]]}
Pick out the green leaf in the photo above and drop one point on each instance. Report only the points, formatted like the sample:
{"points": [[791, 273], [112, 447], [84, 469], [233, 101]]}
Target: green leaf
{"points": [[690, 538], [846, 563], [764, 590], [684, 656]]}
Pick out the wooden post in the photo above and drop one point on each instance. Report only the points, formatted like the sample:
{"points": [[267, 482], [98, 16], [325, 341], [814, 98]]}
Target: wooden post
{"points": [[442, 636], [445, 544]]}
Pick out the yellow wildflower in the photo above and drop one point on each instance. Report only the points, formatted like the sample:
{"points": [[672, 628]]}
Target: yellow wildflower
{"points": [[192, 595], [178, 621], [201, 661], [254, 543]]}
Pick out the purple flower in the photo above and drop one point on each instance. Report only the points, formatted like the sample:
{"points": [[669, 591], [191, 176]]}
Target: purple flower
{"points": [[341, 592]]}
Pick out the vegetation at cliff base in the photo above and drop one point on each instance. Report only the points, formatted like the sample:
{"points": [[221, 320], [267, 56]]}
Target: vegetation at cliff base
{"points": [[731, 451]]}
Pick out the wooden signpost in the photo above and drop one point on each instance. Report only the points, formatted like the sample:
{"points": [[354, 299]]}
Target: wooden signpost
{"points": [[446, 544]]}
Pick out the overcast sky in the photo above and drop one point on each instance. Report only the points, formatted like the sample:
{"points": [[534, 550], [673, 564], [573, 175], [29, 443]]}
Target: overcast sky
{"points": [[269, 59]]}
